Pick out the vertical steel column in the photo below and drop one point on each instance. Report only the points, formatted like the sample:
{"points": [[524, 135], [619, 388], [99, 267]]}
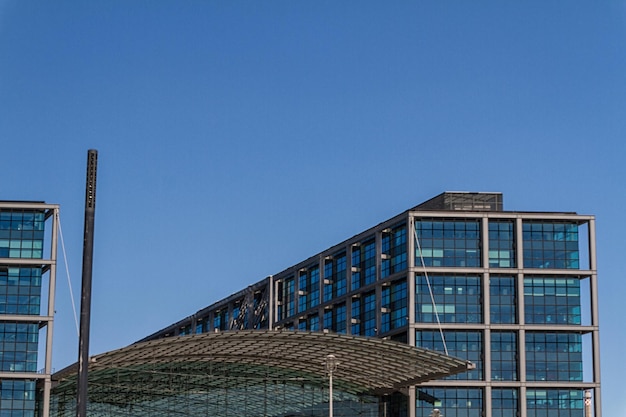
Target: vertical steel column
{"points": [[272, 304], [521, 318], [595, 316], [85, 304], [411, 267], [50, 321]]}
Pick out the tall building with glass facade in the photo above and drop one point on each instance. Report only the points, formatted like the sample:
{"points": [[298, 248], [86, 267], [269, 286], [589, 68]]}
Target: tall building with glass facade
{"points": [[27, 282], [513, 292]]}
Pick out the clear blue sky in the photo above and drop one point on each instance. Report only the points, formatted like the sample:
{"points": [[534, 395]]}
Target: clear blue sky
{"points": [[238, 138]]}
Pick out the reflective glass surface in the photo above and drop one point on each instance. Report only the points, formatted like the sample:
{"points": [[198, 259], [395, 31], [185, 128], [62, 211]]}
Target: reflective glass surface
{"points": [[20, 290], [335, 277], [394, 251], [504, 402], [457, 299], [502, 299], [448, 243], [451, 402], [462, 344], [287, 306], [552, 300], [335, 318], [21, 234], [363, 263], [554, 403], [554, 356], [550, 245], [504, 356], [394, 306], [17, 398], [309, 289], [364, 315], [501, 244], [18, 347]]}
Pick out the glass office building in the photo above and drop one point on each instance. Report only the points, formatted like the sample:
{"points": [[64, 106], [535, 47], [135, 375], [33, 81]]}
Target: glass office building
{"points": [[513, 292], [27, 281]]}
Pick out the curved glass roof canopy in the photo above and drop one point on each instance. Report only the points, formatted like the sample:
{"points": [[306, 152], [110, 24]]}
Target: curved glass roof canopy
{"points": [[251, 373]]}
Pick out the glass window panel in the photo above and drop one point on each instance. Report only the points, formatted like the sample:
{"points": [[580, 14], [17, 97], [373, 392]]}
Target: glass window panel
{"points": [[454, 243]]}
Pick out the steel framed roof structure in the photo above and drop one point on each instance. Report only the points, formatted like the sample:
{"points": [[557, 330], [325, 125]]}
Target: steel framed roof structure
{"points": [[265, 369]]}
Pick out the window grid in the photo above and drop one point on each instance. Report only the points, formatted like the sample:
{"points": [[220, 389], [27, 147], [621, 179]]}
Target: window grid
{"points": [[314, 323], [504, 402], [458, 299], [452, 402], [220, 320], [504, 356], [335, 318], [551, 245], [394, 303], [19, 343], [501, 244], [554, 356], [309, 290], [21, 234], [394, 251], [17, 398], [335, 276], [462, 344], [449, 243], [20, 290], [363, 263], [554, 403], [550, 300], [502, 299], [369, 314], [288, 301]]}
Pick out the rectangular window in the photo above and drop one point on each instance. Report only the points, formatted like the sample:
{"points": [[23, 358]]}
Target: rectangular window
{"points": [[21, 234], [451, 402], [369, 314], [20, 290], [394, 306], [504, 402], [309, 288], [552, 245], [462, 344], [502, 299], [221, 320], [554, 402], [393, 251], [289, 297], [504, 356], [363, 263], [17, 398], [19, 342], [552, 300], [458, 299], [335, 318], [501, 244], [448, 243], [335, 276], [554, 357]]}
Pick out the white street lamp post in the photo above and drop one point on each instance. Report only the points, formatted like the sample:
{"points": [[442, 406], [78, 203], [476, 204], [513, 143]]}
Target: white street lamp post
{"points": [[331, 366]]}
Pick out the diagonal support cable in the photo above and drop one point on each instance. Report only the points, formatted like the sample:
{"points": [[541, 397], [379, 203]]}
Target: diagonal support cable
{"points": [[67, 271], [430, 289]]}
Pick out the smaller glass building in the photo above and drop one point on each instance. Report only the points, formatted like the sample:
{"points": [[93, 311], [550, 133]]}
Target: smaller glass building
{"points": [[27, 281]]}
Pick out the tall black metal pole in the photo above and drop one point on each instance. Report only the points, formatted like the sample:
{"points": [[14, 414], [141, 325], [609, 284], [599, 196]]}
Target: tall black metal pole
{"points": [[85, 303]]}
